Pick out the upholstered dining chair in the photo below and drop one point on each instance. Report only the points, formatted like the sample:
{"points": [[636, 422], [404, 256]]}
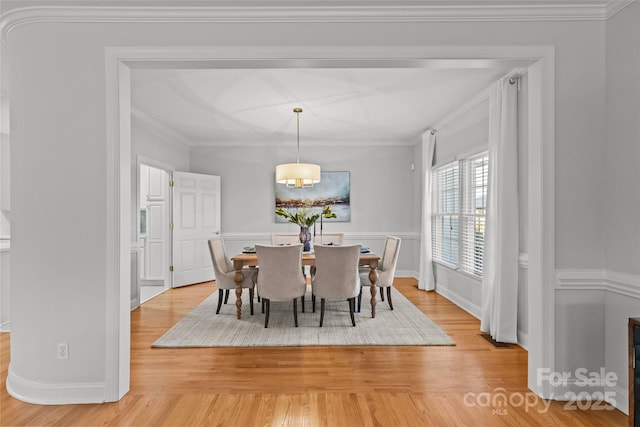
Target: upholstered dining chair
{"points": [[225, 273], [336, 276], [329, 239], [285, 239], [332, 239], [386, 270], [280, 277]]}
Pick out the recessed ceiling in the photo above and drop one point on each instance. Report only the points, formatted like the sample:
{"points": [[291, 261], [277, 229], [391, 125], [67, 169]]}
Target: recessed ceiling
{"points": [[341, 105]]}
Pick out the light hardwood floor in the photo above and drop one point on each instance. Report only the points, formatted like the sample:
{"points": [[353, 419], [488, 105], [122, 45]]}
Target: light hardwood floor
{"points": [[313, 386]]}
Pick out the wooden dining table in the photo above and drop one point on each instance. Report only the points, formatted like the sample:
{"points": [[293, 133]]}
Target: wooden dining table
{"points": [[245, 259]]}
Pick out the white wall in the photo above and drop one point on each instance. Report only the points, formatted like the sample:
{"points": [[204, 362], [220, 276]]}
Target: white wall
{"points": [[58, 97]]}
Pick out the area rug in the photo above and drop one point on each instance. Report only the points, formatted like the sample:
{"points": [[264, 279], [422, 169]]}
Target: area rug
{"points": [[404, 325]]}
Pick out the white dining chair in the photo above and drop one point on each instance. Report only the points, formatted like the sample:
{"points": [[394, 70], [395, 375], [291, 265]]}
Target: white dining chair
{"points": [[335, 239], [285, 239], [280, 277], [225, 273], [386, 270], [336, 276]]}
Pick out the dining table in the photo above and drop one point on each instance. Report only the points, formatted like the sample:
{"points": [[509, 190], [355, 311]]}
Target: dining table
{"points": [[250, 259]]}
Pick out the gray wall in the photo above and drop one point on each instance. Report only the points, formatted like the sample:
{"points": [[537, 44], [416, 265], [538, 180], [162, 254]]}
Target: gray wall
{"points": [[622, 187], [382, 193]]}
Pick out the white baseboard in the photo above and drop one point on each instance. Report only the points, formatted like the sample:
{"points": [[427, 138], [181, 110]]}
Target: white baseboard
{"points": [[458, 300], [53, 394], [591, 397], [523, 339], [5, 326], [407, 273]]}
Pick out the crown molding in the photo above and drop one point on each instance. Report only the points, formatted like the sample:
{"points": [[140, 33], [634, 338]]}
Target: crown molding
{"points": [[301, 11], [172, 136], [614, 7], [287, 144]]}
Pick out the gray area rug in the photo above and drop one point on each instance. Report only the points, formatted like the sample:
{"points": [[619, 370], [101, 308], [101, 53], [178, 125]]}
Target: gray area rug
{"points": [[404, 325]]}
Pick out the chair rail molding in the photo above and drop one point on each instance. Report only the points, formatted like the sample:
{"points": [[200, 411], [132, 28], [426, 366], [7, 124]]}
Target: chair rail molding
{"points": [[598, 280], [248, 237], [350, 11]]}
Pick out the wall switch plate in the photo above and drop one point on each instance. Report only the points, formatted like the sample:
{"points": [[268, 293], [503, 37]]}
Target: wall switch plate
{"points": [[63, 350]]}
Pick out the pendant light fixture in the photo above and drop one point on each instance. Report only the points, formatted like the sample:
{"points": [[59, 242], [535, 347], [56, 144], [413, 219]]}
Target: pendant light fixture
{"points": [[298, 175]]}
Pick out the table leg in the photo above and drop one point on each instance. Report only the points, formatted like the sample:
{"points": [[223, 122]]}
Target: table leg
{"points": [[238, 279], [373, 278]]}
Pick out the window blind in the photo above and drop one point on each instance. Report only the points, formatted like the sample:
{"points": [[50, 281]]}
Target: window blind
{"points": [[459, 196], [446, 211], [474, 206]]}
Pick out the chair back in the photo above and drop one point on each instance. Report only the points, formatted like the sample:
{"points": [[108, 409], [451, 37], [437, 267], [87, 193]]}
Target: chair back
{"points": [[285, 239], [337, 271], [389, 261], [280, 275], [390, 254], [334, 239], [222, 265]]}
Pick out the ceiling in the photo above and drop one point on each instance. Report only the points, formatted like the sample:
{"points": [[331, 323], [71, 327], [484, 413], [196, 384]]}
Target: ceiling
{"points": [[205, 107]]}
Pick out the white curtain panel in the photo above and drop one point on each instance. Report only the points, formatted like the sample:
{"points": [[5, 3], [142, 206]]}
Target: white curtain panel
{"points": [[500, 271], [426, 280]]}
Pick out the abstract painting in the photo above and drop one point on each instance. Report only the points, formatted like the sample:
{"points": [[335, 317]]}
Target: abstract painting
{"points": [[333, 189]]}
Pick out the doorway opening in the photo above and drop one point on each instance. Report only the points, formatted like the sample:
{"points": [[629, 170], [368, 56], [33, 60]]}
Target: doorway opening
{"points": [[540, 168], [153, 231]]}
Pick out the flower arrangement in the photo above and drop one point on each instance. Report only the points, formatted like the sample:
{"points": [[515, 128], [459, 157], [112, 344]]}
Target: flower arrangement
{"points": [[305, 216]]}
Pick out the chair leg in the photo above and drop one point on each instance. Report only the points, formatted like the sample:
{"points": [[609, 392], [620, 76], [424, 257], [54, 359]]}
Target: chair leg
{"points": [[352, 306], [220, 297], [381, 294], [389, 297], [302, 299], [295, 311], [359, 300], [263, 305], [321, 311], [265, 302], [313, 302], [251, 300], [226, 295]]}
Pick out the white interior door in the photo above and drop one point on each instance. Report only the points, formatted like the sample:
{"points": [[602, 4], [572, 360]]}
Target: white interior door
{"points": [[196, 219]]}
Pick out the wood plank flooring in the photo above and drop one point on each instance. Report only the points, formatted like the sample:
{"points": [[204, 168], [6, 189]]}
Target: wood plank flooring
{"points": [[312, 386]]}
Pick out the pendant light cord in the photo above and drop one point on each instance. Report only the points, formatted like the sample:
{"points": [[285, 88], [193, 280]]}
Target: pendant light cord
{"points": [[298, 111]]}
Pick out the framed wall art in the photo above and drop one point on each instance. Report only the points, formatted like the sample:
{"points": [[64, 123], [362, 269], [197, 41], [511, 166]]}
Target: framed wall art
{"points": [[334, 189]]}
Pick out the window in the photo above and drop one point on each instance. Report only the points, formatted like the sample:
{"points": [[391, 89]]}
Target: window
{"points": [[459, 200]]}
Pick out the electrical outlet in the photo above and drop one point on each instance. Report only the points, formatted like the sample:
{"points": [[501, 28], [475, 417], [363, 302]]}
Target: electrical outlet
{"points": [[63, 350]]}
